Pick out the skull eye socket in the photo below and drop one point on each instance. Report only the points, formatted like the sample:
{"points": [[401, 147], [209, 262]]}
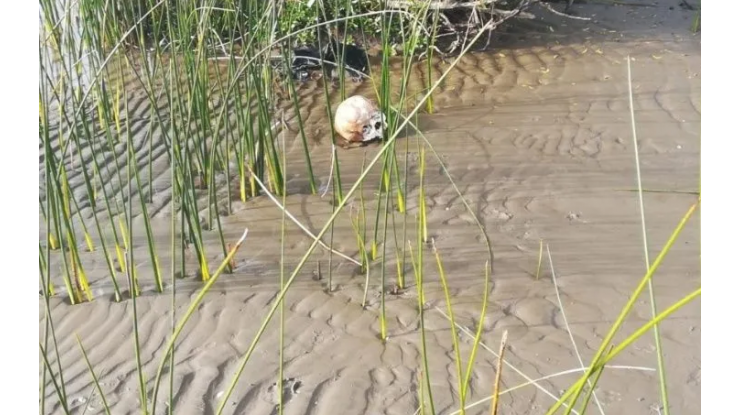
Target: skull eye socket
{"points": [[365, 129], [377, 125]]}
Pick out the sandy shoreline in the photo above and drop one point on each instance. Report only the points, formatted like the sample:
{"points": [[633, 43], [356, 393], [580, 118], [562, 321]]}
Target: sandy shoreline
{"points": [[538, 141]]}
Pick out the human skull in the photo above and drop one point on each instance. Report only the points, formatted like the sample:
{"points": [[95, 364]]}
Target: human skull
{"points": [[358, 120]]}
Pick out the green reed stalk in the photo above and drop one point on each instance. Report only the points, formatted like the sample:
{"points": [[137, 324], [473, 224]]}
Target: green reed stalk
{"points": [[240, 148], [226, 161], [400, 187], [402, 273], [422, 195], [255, 160], [210, 174], [281, 357], [331, 246], [191, 205], [592, 387], [453, 326], [338, 193], [363, 215], [478, 334], [539, 261], [420, 242], [383, 324], [422, 398], [221, 239], [384, 102], [418, 266], [94, 377], [299, 118], [42, 383], [363, 254], [663, 384], [150, 192], [430, 55], [381, 191], [400, 257], [43, 265], [131, 268], [173, 279], [361, 248]]}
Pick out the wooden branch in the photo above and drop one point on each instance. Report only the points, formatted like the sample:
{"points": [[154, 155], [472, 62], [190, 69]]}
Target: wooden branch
{"points": [[469, 4], [442, 4], [568, 16]]}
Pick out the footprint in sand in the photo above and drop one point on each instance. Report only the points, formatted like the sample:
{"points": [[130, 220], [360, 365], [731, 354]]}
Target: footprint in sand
{"points": [[291, 387]]}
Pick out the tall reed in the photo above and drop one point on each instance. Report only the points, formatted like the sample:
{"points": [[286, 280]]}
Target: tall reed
{"points": [[653, 307]]}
